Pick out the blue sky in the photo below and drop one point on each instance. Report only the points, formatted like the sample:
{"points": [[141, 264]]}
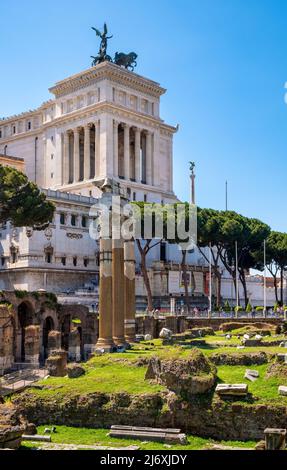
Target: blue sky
{"points": [[224, 63]]}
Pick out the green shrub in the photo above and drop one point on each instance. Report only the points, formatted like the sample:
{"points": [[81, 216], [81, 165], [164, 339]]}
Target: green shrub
{"points": [[259, 309], [248, 308], [21, 294]]}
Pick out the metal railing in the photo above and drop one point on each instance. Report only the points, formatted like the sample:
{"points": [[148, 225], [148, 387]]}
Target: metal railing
{"points": [[20, 376]]}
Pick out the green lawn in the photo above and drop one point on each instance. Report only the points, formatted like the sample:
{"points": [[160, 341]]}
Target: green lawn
{"points": [[103, 374], [99, 437], [266, 389], [116, 373]]}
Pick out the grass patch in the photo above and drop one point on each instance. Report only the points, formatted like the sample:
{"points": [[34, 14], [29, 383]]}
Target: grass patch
{"points": [[266, 389], [99, 437], [107, 374]]}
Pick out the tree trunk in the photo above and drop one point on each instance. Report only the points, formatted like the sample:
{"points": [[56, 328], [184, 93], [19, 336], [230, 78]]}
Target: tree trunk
{"points": [[281, 286], [145, 277], [243, 282], [184, 271]]}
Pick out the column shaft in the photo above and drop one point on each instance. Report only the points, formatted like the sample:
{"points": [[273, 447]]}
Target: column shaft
{"points": [[105, 340], [66, 165], [87, 154], [127, 151], [76, 155], [118, 293], [97, 156], [130, 298], [138, 155], [149, 158], [116, 149]]}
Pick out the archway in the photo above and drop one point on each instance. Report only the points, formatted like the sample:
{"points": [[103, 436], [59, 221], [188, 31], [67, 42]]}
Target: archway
{"points": [[25, 318], [47, 327]]}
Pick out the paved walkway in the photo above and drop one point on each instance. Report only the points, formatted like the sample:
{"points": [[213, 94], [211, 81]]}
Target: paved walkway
{"points": [[51, 446]]}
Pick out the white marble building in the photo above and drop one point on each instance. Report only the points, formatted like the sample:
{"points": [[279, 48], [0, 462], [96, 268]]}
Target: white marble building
{"points": [[103, 122]]}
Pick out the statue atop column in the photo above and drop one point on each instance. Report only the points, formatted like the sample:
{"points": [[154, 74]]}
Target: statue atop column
{"points": [[128, 61], [102, 55], [192, 167]]}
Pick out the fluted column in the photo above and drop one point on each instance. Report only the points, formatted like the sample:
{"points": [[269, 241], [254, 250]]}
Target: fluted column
{"points": [[87, 153], [66, 165], [149, 158], [105, 340], [130, 298], [127, 151], [138, 155], [118, 293], [76, 155], [97, 155], [116, 149]]}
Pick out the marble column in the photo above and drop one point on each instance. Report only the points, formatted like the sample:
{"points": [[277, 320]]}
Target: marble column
{"points": [[76, 155], [116, 149], [118, 293], [130, 298], [138, 155], [127, 151], [66, 159], [97, 154], [105, 340], [149, 158], [87, 153]]}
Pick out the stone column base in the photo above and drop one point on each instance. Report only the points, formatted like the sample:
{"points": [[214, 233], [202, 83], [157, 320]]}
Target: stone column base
{"points": [[130, 331], [105, 345]]}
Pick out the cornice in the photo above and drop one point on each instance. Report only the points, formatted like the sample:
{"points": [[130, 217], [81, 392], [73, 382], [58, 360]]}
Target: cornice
{"points": [[26, 114], [116, 110], [107, 70], [119, 111]]}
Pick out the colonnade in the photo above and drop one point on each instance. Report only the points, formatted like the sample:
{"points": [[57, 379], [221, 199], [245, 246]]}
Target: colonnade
{"points": [[117, 294], [80, 153], [131, 153]]}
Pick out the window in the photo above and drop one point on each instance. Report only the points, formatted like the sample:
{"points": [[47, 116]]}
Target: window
{"points": [[75, 261], [86, 262], [0, 134], [84, 221], [14, 129], [52, 140], [134, 196], [52, 156], [63, 261], [52, 175], [2, 261], [48, 258], [29, 126], [90, 193], [62, 219], [145, 198], [73, 220]]}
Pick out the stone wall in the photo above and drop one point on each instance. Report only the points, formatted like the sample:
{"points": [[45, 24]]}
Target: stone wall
{"points": [[202, 416], [6, 338], [179, 324]]}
